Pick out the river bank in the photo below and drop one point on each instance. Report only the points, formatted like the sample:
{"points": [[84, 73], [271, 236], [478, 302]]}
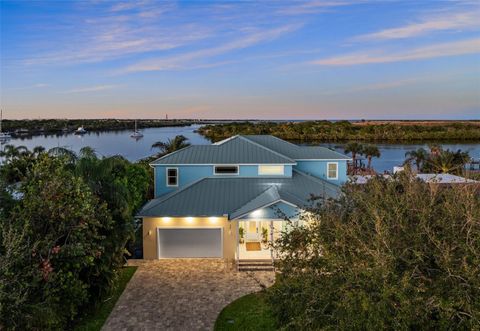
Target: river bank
{"points": [[371, 131], [36, 127]]}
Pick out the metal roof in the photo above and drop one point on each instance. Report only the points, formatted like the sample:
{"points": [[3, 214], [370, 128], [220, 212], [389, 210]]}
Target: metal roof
{"points": [[235, 196], [236, 150], [296, 152]]}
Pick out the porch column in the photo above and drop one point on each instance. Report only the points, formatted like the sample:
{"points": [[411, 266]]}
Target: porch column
{"points": [[271, 238], [238, 245]]}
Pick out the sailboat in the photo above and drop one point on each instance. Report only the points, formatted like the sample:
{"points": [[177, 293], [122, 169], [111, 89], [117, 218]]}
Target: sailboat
{"points": [[80, 130], [136, 134], [4, 136]]}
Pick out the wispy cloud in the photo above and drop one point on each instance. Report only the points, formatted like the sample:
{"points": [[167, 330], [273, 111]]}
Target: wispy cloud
{"points": [[470, 46], [195, 59], [124, 29], [449, 21], [313, 7], [96, 88]]}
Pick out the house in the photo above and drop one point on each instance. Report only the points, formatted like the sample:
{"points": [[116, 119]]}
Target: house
{"points": [[226, 199]]}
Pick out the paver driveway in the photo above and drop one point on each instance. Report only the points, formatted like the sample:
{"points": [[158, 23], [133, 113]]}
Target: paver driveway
{"points": [[180, 294]]}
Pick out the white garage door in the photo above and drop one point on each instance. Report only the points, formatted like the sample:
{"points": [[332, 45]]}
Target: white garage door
{"points": [[204, 242]]}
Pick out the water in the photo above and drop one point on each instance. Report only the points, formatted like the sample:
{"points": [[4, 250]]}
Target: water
{"points": [[120, 143]]}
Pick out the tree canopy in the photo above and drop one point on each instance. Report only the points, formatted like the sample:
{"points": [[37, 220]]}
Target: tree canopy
{"points": [[391, 254]]}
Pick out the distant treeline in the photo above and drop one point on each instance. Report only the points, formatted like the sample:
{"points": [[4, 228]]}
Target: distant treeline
{"points": [[345, 130], [41, 126]]}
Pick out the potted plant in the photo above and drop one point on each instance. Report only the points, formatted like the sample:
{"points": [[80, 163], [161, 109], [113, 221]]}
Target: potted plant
{"points": [[264, 235], [241, 233]]}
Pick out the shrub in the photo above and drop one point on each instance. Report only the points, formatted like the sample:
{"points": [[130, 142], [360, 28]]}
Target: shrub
{"points": [[392, 254], [52, 249]]}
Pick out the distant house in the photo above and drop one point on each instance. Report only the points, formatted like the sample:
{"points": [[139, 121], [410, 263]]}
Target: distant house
{"points": [[226, 199]]}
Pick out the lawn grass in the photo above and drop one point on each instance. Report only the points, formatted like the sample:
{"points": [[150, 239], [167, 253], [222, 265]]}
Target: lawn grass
{"points": [[95, 319], [251, 312]]}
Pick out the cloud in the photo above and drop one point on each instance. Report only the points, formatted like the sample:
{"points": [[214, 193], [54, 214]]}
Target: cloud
{"points": [[96, 88], [470, 46], [450, 21], [194, 59], [125, 29], [313, 7]]}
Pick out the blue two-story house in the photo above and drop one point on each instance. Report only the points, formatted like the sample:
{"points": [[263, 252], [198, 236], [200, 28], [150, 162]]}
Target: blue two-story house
{"points": [[228, 199]]}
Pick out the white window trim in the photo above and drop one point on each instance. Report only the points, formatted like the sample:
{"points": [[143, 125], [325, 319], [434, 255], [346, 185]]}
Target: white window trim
{"points": [[166, 176], [226, 165], [260, 173], [328, 171]]}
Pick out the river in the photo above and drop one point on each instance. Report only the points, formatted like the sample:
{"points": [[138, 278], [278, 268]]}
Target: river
{"points": [[120, 143]]}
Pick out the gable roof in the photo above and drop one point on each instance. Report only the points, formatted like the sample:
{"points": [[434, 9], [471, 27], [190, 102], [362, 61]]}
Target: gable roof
{"points": [[236, 196], [296, 152], [236, 150]]}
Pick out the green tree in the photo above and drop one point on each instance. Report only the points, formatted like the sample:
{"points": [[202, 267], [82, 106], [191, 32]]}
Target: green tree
{"points": [[419, 156], [370, 151], [171, 145], [354, 148], [53, 246], [394, 254]]}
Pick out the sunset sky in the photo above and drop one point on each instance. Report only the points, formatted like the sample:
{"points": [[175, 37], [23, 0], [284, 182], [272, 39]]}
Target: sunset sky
{"points": [[327, 59]]}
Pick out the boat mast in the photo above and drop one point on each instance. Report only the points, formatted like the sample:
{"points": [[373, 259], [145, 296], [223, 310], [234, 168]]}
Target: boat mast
{"points": [[135, 125], [1, 117]]}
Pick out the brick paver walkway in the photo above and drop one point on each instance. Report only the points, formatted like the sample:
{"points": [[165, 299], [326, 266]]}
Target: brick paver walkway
{"points": [[180, 294]]}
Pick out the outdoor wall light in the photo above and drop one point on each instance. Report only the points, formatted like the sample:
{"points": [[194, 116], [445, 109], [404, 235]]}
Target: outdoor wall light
{"points": [[166, 219], [149, 232], [189, 219], [213, 219], [257, 213]]}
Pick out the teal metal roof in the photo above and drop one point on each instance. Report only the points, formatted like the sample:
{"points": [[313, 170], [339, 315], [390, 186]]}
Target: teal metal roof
{"points": [[296, 152], [237, 196], [236, 150]]}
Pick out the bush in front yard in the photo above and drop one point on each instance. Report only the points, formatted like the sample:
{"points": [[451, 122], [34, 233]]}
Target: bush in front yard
{"points": [[391, 254], [52, 249]]}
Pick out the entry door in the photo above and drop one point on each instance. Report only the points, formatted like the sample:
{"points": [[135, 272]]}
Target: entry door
{"points": [[183, 243], [252, 231]]}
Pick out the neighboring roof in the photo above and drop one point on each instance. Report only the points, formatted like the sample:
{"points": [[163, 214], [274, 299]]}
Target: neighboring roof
{"points": [[428, 178], [236, 150], [236, 196], [296, 152]]}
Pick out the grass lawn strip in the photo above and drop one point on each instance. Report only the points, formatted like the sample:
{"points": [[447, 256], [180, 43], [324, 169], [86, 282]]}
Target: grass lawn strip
{"points": [[95, 319], [250, 312]]}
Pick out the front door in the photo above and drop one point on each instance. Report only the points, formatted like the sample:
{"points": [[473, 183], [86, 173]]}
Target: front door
{"points": [[252, 231]]}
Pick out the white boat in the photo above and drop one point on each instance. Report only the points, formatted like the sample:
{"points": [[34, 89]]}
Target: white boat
{"points": [[80, 130], [4, 136], [136, 134]]}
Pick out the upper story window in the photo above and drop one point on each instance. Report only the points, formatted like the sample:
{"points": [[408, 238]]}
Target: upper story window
{"points": [[271, 170], [332, 170], [225, 170], [172, 176]]}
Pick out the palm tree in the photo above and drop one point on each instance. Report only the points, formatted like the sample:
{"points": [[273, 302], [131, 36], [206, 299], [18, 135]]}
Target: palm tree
{"points": [[354, 148], [370, 151], [419, 156], [448, 162], [172, 145]]}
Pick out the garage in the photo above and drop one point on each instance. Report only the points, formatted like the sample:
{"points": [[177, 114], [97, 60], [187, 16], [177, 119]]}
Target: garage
{"points": [[190, 242]]}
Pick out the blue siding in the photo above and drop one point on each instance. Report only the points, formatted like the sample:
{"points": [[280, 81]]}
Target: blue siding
{"points": [[277, 211], [191, 173], [319, 169]]}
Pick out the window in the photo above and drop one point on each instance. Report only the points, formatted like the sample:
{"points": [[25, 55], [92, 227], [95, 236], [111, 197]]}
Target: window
{"points": [[225, 170], [271, 170], [332, 170], [172, 177]]}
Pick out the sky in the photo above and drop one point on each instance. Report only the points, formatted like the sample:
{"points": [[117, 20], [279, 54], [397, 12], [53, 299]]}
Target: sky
{"points": [[318, 59]]}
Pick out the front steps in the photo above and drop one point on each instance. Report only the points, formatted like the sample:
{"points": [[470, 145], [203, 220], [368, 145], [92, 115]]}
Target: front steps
{"points": [[255, 265]]}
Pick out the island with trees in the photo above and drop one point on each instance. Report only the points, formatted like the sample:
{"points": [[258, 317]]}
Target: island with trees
{"points": [[346, 130]]}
